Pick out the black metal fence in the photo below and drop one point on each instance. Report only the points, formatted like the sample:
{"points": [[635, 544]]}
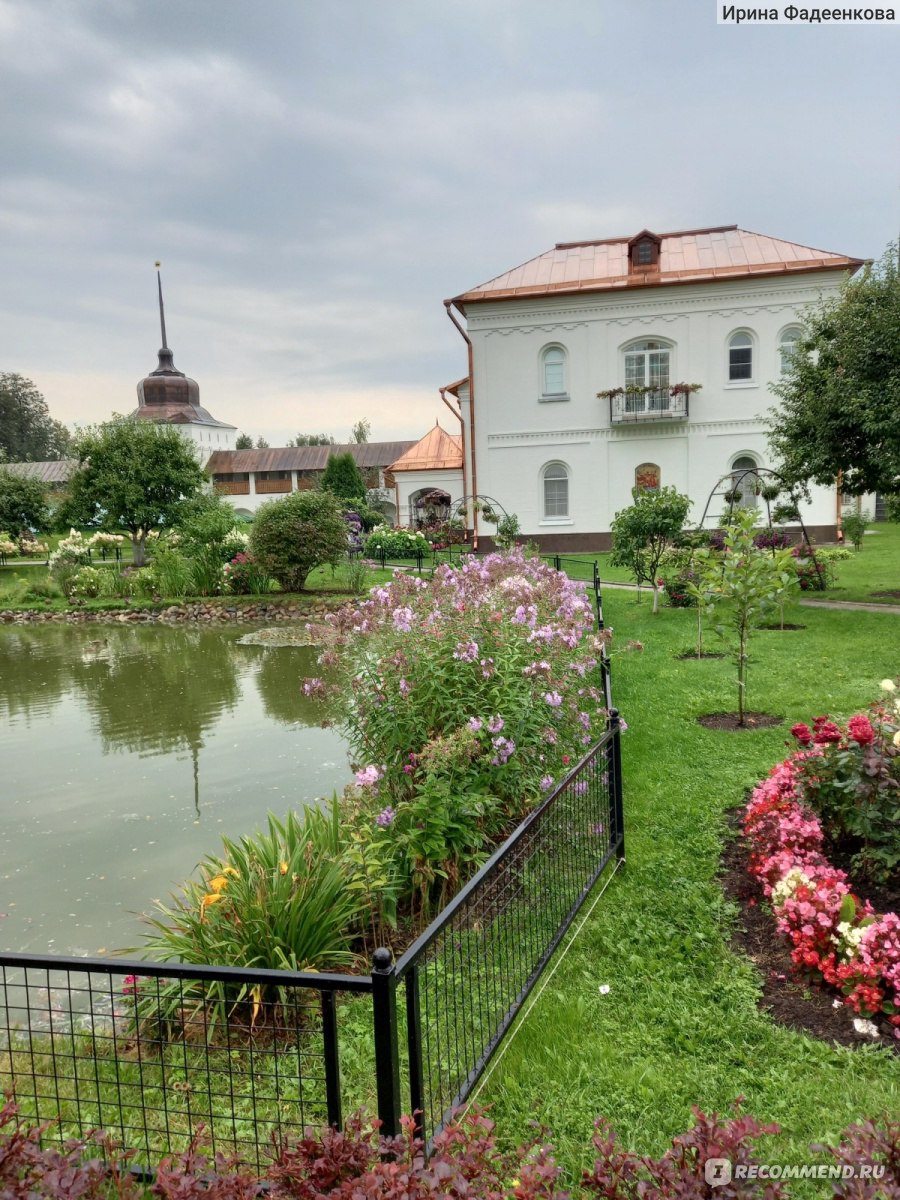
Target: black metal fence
{"points": [[151, 1053]]}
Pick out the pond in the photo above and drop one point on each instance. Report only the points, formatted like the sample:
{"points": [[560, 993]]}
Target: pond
{"points": [[126, 752]]}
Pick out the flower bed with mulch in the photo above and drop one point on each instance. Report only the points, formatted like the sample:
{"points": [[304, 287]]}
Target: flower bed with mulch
{"points": [[833, 935]]}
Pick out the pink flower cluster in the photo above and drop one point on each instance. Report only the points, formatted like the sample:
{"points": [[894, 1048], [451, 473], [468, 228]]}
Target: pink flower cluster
{"points": [[832, 934]]}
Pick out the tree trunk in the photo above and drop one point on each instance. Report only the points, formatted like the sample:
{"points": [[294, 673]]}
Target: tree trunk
{"points": [[137, 547], [655, 608]]}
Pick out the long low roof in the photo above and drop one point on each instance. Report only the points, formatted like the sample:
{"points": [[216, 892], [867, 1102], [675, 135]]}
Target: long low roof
{"points": [[56, 471], [689, 256], [303, 458]]}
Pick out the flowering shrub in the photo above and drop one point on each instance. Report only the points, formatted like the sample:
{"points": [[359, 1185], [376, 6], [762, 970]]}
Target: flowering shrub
{"points": [[771, 539], [71, 550], [86, 584], [357, 1164], [470, 695], [8, 547], [677, 588], [243, 576], [833, 935], [396, 543]]}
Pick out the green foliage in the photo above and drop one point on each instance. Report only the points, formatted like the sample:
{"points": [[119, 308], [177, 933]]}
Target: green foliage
{"points": [[892, 507], [291, 537], [243, 441], [171, 571], [27, 431], [840, 396], [342, 477], [133, 475], [86, 584], [312, 439], [396, 543], [361, 432], [642, 533], [855, 525], [277, 899], [23, 502], [508, 532], [208, 539], [742, 587]]}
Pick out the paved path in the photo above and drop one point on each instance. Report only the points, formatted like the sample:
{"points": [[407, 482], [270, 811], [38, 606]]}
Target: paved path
{"points": [[851, 605]]}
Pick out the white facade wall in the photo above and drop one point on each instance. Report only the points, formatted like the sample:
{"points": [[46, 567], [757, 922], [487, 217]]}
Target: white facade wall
{"points": [[517, 433], [410, 482], [207, 438]]}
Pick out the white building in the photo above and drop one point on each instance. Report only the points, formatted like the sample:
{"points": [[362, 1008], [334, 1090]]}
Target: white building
{"points": [[634, 318]]}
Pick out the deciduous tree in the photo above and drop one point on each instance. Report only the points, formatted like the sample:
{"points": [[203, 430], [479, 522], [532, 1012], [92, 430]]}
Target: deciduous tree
{"points": [[23, 502], [27, 431], [840, 395], [133, 475], [642, 533]]}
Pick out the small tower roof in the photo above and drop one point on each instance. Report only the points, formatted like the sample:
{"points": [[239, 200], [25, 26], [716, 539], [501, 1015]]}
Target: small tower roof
{"points": [[167, 395], [437, 450]]}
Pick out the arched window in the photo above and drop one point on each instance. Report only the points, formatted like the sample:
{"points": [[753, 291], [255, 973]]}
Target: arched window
{"points": [[745, 481], [556, 491], [647, 366], [787, 345], [740, 357], [553, 373], [647, 477]]}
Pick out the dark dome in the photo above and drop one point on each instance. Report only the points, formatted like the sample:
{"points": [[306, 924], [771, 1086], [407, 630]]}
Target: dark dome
{"points": [[168, 392]]}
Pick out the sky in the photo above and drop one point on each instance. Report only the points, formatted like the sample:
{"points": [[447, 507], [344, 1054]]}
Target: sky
{"points": [[317, 176]]}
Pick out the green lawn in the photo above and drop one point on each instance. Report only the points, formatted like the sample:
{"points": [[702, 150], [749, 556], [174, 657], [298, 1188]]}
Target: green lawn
{"points": [[873, 568], [680, 1024]]}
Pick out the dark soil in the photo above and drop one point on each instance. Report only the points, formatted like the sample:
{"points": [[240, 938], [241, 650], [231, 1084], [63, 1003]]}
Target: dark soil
{"points": [[892, 595], [688, 654], [790, 1000], [731, 721], [778, 627]]}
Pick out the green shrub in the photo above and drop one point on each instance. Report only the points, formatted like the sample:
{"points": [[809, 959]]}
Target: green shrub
{"points": [[86, 584], [277, 899], [172, 573], [396, 543], [855, 525], [37, 591], [342, 477], [293, 536]]}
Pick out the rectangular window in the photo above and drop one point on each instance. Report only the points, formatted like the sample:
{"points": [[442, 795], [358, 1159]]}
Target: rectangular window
{"points": [[740, 362], [556, 497]]}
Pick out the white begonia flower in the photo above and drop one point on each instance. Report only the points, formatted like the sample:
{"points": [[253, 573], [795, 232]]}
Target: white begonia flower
{"points": [[897, 739], [888, 685]]}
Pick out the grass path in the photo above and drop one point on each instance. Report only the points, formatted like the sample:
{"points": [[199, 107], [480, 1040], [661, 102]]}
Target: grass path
{"points": [[680, 1025]]}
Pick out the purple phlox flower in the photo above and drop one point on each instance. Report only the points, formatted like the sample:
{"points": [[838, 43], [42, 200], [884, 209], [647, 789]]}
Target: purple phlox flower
{"points": [[585, 719], [580, 787], [403, 619], [369, 775], [495, 724], [550, 736], [586, 740], [520, 616], [385, 817], [505, 749], [598, 829], [623, 725], [554, 699], [405, 687], [475, 724], [487, 667], [314, 687], [382, 595], [546, 782], [466, 651]]}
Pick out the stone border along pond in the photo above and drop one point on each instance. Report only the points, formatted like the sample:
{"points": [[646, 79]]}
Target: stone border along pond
{"points": [[197, 611]]}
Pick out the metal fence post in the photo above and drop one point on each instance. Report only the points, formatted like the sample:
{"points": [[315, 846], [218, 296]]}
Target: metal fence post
{"points": [[387, 1056], [332, 1060], [414, 1041], [618, 816]]}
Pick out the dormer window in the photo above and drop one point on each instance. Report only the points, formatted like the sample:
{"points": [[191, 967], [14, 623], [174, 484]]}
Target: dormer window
{"points": [[643, 252]]}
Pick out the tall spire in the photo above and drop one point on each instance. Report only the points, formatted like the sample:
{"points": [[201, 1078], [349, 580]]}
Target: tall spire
{"points": [[166, 361], [162, 311]]}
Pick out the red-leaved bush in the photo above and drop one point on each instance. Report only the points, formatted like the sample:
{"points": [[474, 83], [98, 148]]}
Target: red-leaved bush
{"points": [[357, 1164]]}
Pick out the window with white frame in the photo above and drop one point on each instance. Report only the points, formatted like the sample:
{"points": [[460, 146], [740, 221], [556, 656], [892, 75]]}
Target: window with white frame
{"points": [[787, 345], [553, 372], [647, 365], [556, 491], [740, 357]]}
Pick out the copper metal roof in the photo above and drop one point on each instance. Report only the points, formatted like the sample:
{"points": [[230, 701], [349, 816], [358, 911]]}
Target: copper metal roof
{"points": [[690, 256], [303, 458], [436, 450], [56, 471]]}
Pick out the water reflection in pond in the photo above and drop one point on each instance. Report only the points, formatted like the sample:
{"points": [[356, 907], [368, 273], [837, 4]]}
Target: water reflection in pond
{"points": [[126, 753]]}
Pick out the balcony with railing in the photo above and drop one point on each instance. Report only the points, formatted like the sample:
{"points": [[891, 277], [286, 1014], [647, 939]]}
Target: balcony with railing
{"points": [[645, 405]]}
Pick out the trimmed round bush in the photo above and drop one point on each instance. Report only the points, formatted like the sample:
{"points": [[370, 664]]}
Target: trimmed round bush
{"points": [[293, 536]]}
